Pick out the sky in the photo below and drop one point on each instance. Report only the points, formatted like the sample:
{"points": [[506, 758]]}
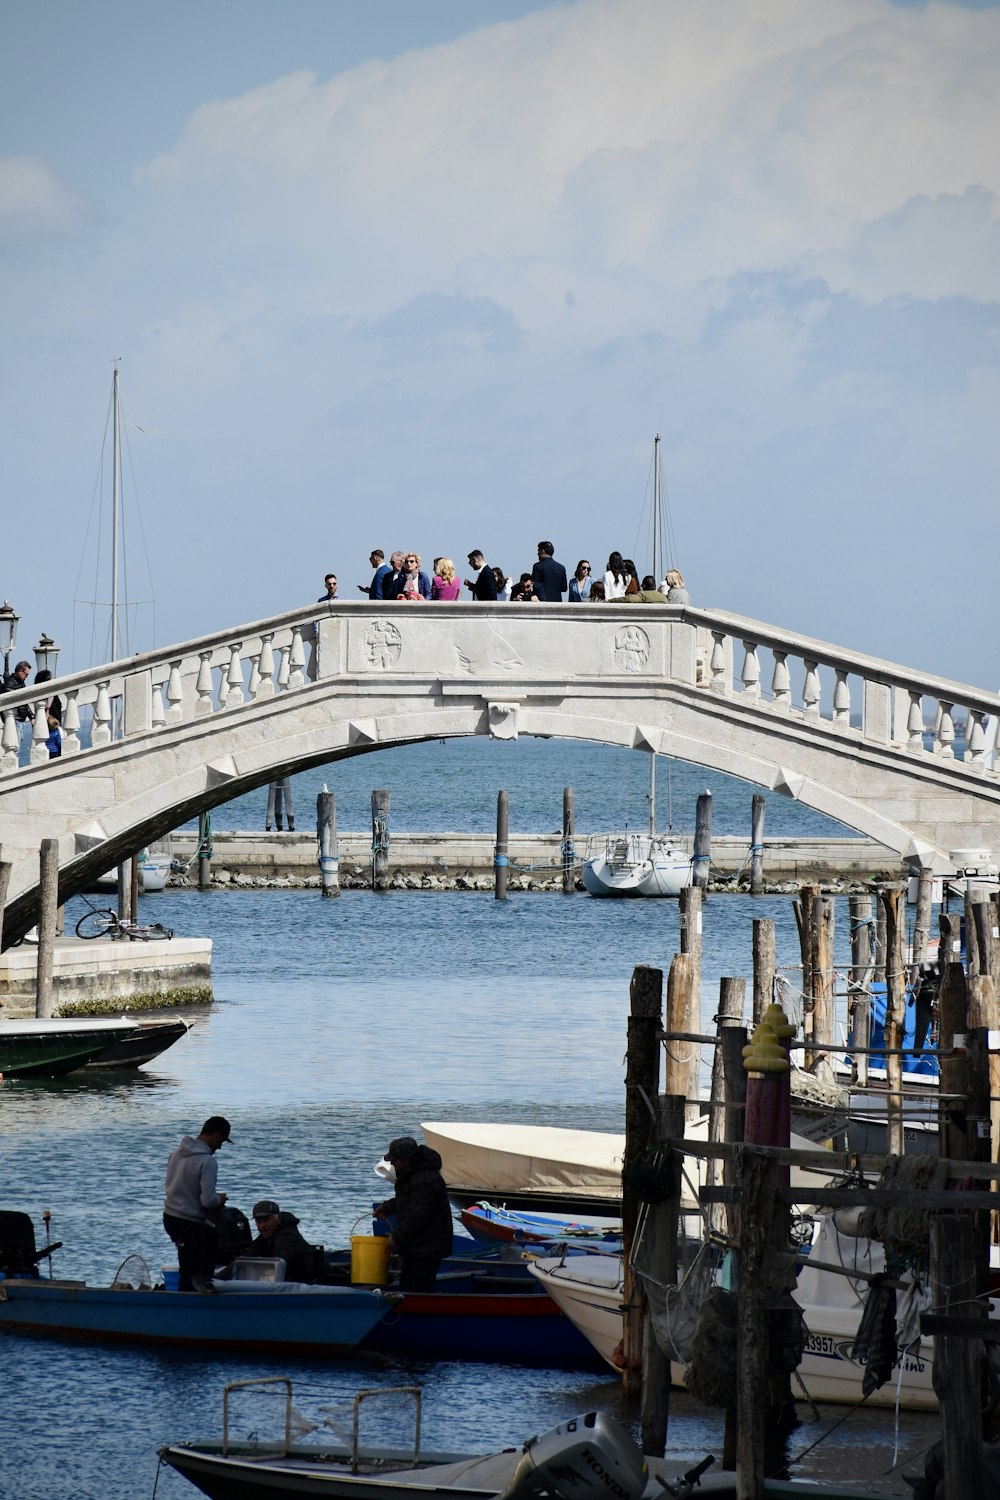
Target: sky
{"points": [[432, 274]]}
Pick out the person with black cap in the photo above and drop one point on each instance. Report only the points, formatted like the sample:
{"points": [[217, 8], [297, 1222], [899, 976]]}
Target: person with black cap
{"points": [[423, 1232], [191, 1203], [278, 1235]]}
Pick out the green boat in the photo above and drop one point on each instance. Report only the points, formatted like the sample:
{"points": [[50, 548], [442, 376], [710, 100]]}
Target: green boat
{"points": [[50, 1048]]}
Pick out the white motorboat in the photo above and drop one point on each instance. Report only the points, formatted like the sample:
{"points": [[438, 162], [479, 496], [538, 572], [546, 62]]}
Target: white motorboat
{"points": [[589, 1289], [529, 1166]]}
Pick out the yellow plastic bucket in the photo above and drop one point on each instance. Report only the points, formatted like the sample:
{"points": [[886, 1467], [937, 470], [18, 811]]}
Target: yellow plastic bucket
{"points": [[370, 1259]]}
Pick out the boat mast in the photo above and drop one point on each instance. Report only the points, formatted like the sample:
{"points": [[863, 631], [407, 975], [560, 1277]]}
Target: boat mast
{"points": [[658, 577], [115, 510]]}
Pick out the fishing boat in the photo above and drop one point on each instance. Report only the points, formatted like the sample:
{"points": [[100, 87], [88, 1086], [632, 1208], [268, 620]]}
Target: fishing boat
{"points": [[537, 1167], [491, 1223], [44, 1048], [651, 863], [52, 1048], [588, 1457]]}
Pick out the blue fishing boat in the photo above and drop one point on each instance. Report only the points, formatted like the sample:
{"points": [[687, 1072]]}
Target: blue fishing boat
{"points": [[265, 1319], [490, 1223]]}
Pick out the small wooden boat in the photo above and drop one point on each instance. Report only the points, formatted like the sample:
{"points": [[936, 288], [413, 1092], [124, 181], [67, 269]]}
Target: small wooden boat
{"points": [[490, 1223], [537, 1167], [246, 1317], [51, 1048], [589, 1457]]}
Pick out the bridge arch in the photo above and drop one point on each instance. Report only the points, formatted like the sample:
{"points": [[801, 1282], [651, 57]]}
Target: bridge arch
{"points": [[179, 732]]}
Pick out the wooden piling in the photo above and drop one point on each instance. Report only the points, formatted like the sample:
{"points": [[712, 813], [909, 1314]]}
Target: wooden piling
{"points": [[123, 875], [763, 965], [660, 1238], [757, 844], [958, 1360], [380, 839], [272, 797], [326, 839], [683, 1059], [501, 858], [757, 1186], [824, 1020], [956, 1135], [921, 922], [286, 786], [48, 904], [859, 1004], [568, 852], [133, 889], [642, 1084], [732, 1000], [204, 851], [803, 908], [701, 859], [689, 905], [890, 903]]}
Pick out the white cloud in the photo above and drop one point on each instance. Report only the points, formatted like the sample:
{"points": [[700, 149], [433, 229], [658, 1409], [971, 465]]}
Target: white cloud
{"points": [[33, 200]]}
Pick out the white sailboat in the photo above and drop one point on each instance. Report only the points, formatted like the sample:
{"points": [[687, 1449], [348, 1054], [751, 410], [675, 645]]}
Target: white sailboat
{"points": [[650, 863]]}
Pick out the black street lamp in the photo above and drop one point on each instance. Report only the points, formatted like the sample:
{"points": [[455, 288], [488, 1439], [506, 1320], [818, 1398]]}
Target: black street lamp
{"points": [[8, 633], [46, 655]]}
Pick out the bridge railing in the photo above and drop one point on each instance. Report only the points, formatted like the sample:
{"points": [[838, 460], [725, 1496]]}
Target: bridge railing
{"points": [[715, 652]]}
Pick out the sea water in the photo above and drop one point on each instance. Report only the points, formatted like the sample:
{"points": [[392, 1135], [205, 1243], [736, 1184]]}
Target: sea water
{"points": [[338, 1025]]}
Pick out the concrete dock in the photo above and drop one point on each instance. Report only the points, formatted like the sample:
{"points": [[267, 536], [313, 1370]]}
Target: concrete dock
{"points": [[464, 861], [99, 977]]}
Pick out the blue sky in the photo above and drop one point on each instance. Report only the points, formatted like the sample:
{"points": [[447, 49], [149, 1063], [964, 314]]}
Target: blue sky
{"points": [[433, 274]]}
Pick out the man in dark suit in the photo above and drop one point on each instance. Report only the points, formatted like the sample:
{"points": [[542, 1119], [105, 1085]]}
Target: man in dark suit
{"points": [[484, 585], [549, 576]]}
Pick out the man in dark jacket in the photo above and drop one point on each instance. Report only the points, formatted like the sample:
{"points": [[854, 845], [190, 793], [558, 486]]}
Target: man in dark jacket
{"points": [[278, 1235], [549, 575], [423, 1232]]}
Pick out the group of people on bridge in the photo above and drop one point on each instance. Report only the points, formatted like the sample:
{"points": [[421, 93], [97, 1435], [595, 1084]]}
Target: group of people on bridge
{"points": [[403, 579]]}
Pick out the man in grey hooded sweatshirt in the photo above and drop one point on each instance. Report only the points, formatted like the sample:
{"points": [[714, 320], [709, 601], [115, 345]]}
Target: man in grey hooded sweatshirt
{"points": [[191, 1203]]}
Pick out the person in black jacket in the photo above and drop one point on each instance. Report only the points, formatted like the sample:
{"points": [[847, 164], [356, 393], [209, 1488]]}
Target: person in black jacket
{"points": [[278, 1235], [423, 1232], [484, 585], [549, 576]]}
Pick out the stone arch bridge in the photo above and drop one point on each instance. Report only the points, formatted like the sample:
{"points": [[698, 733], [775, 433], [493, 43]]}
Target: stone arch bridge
{"points": [[152, 741]]}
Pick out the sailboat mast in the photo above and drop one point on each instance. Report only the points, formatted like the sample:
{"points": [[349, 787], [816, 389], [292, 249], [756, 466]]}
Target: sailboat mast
{"points": [[657, 539], [115, 514], [652, 794]]}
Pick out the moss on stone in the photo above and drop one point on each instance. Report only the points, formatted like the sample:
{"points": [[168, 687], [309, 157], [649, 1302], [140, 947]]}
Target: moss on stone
{"points": [[110, 1005]]}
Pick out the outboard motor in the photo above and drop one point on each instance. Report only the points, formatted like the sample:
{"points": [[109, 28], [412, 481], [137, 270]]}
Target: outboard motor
{"points": [[235, 1234], [591, 1457]]}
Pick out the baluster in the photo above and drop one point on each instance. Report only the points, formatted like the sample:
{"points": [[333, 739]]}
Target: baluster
{"points": [[265, 668], [781, 683], [100, 733], [915, 723], [253, 686], [283, 672], [841, 700], [944, 741], [175, 694], [71, 724], [203, 686], [10, 741], [975, 738], [717, 665], [312, 640], [296, 660], [157, 718], [810, 690], [39, 753], [233, 695], [751, 670]]}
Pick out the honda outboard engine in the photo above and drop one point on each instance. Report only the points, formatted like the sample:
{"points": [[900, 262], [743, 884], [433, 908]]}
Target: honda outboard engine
{"points": [[591, 1457]]}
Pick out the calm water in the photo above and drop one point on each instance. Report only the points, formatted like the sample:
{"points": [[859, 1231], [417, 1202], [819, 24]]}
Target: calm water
{"points": [[337, 1026], [451, 785]]}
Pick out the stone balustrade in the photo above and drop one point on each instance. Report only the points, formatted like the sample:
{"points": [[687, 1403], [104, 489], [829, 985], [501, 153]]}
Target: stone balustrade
{"points": [[843, 693]]}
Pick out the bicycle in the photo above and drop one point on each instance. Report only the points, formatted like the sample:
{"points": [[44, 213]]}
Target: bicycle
{"points": [[100, 922]]}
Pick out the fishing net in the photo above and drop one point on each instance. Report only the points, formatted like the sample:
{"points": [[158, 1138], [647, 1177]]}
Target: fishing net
{"points": [[905, 1231], [711, 1374], [132, 1275], [674, 1309]]}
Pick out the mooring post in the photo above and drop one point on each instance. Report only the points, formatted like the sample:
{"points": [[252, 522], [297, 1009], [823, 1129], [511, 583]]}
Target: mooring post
{"points": [[642, 1084], [921, 922], [763, 965], [689, 904], [279, 804], [955, 1134], [271, 798], [326, 838], [124, 877], [380, 840], [204, 851], [732, 1000], [890, 900], [568, 852], [860, 1005], [803, 908], [660, 1252], [757, 844], [701, 858], [501, 863], [824, 1026], [133, 888], [983, 1017], [683, 1059], [958, 1360], [48, 903]]}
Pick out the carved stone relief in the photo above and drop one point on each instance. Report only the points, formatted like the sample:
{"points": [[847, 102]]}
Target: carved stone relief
{"points": [[631, 649], [503, 721], [383, 644]]}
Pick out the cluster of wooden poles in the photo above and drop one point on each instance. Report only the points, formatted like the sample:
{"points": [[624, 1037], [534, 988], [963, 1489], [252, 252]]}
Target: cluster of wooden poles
{"points": [[747, 1179]]}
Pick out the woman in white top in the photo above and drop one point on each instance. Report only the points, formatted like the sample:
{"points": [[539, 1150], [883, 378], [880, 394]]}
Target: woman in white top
{"points": [[504, 585], [614, 578]]}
